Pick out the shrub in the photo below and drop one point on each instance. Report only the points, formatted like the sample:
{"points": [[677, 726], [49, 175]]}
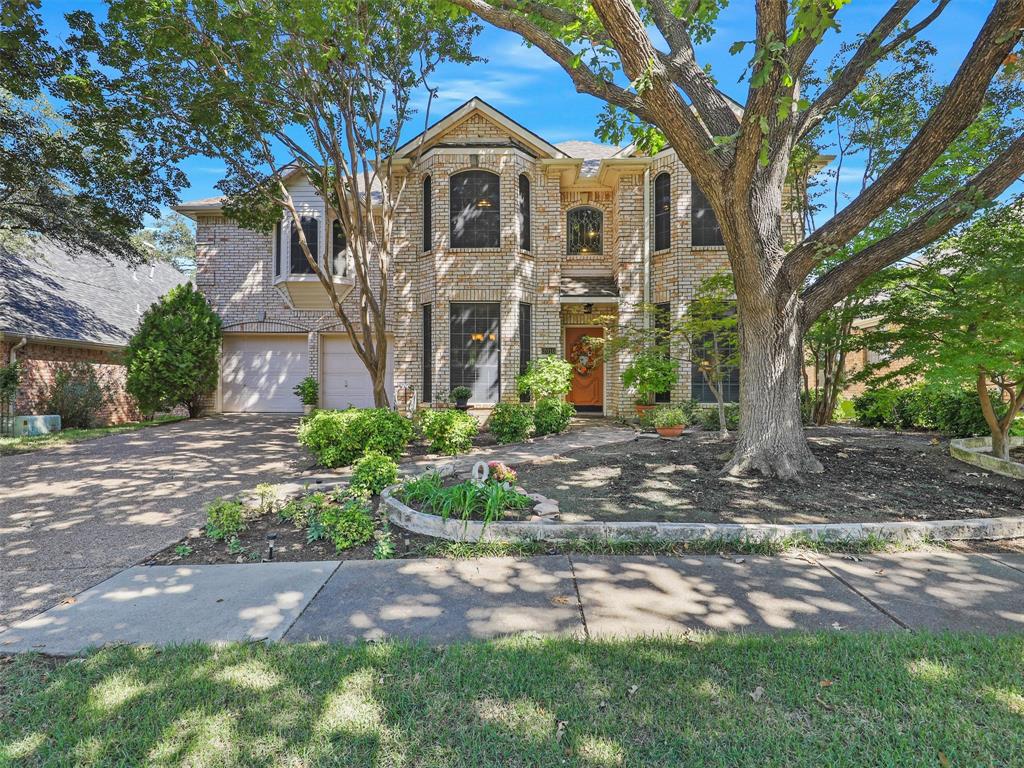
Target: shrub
{"points": [[76, 394], [338, 438], [670, 416], [707, 416], [957, 413], [308, 391], [348, 524], [172, 358], [545, 377], [876, 407], [460, 394], [448, 431], [552, 416], [489, 500], [650, 373], [224, 519], [374, 472], [511, 422]]}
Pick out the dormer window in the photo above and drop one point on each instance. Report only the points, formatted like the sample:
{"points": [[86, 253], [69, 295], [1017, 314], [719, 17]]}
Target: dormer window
{"points": [[583, 231], [475, 210], [311, 228]]}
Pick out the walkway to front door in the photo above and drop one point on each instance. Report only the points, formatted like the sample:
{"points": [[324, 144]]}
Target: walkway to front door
{"points": [[587, 392]]}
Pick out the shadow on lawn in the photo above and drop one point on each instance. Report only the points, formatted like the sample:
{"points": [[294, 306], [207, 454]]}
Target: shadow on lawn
{"points": [[795, 700]]}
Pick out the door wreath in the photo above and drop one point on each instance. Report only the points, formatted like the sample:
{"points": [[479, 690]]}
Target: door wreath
{"points": [[583, 356]]}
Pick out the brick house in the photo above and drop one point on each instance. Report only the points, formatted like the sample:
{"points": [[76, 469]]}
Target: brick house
{"points": [[510, 247], [58, 308]]}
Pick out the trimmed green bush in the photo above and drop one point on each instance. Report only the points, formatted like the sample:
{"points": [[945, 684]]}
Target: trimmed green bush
{"points": [[374, 472], [224, 519], [448, 431], [511, 422], [548, 376], [172, 358], [876, 407], [552, 416], [349, 523], [339, 438], [953, 412]]}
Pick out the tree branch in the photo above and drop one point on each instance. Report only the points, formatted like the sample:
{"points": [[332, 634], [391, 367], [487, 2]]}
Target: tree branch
{"points": [[930, 225], [957, 109], [583, 77]]}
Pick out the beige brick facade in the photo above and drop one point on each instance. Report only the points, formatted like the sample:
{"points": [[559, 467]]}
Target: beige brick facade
{"points": [[235, 266]]}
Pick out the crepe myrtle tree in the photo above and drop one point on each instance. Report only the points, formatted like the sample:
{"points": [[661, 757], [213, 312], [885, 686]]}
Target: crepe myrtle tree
{"points": [[329, 84], [741, 160], [955, 318]]}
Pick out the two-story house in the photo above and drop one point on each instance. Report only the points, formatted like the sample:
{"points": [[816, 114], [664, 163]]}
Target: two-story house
{"points": [[511, 248]]}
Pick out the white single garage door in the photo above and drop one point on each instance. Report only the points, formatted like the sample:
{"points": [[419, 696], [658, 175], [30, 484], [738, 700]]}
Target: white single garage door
{"points": [[261, 370], [346, 382]]}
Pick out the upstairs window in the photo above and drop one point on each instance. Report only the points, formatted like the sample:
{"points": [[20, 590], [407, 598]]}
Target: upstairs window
{"points": [[475, 214], [311, 228], [339, 250], [428, 229], [277, 249], [662, 211], [702, 219], [524, 212], [583, 231]]}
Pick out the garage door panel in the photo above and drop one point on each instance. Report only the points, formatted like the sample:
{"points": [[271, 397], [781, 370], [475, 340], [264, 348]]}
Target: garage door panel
{"points": [[259, 373], [346, 381]]}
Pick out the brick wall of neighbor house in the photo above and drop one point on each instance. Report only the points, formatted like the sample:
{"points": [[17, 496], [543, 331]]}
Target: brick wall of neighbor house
{"points": [[40, 363], [235, 267]]}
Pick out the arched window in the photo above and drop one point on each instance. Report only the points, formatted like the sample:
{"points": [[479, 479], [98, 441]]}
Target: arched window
{"points": [[475, 217], [662, 211], [339, 249], [524, 212], [428, 231], [583, 230], [704, 223]]}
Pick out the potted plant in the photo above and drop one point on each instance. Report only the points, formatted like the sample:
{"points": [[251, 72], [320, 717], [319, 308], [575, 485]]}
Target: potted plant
{"points": [[461, 397], [308, 391], [648, 374], [670, 421]]}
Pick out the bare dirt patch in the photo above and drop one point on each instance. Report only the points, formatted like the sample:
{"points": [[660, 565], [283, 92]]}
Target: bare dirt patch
{"points": [[869, 476]]}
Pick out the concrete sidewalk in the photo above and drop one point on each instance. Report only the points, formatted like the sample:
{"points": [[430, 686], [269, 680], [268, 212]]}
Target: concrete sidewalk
{"points": [[442, 601]]}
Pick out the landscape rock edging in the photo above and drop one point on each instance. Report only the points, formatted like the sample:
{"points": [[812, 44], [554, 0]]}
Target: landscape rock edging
{"points": [[974, 450], [911, 532]]}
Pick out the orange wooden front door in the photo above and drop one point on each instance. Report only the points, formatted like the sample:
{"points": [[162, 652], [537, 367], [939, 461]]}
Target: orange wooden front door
{"points": [[587, 388]]}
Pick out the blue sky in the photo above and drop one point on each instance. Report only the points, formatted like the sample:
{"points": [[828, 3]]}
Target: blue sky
{"points": [[524, 84]]}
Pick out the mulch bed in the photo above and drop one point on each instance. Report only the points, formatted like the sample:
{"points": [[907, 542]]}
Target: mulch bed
{"points": [[289, 546], [869, 476]]}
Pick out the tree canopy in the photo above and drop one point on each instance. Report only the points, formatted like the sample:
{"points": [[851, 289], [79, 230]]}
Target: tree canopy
{"points": [[80, 162]]}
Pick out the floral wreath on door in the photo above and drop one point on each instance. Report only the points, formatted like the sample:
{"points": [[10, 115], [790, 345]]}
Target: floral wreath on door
{"points": [[583, 356]]}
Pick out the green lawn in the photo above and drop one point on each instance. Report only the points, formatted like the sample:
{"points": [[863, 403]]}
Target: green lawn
{"points": [[10, 446], [790, 700]]}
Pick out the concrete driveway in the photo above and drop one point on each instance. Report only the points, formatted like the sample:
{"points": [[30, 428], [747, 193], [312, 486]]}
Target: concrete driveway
{"points": [[71, 517]]}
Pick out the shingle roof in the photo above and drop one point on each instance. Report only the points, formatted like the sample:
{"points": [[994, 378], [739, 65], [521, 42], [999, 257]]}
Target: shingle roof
{"points": [[46, 293], [591, 153], [589, 286]]}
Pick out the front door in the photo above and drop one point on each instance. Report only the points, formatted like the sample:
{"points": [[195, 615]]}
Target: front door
{"points": [[587, 392]]}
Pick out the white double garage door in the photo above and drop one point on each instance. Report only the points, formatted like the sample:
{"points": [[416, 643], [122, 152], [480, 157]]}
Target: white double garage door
{"points": [[259, 373]]}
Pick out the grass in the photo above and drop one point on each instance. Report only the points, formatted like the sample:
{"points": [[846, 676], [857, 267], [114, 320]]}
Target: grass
{"points": [[10, 446], [709, 546], [897, 699]]}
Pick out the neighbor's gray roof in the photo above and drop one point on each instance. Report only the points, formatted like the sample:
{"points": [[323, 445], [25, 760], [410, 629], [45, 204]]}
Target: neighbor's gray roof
{"points": [[46, 293], [590, 152], [589, 286]]}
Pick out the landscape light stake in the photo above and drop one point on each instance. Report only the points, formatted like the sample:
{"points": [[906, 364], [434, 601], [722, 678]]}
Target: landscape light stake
{"points": [[270, 546]]}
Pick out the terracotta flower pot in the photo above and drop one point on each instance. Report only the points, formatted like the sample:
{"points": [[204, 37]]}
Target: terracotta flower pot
{"points": [[671, 431], [642, 409]]}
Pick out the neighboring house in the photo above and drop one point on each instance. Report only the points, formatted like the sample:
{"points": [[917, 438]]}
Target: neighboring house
{"points": [[511, 248], [60, 308]]}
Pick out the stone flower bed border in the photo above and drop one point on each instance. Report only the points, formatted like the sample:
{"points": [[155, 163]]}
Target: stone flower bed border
{"points": [[974, 450], [915, 532]]}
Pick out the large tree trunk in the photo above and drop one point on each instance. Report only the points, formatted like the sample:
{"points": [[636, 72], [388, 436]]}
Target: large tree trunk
{"points": [[771, 436]]}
